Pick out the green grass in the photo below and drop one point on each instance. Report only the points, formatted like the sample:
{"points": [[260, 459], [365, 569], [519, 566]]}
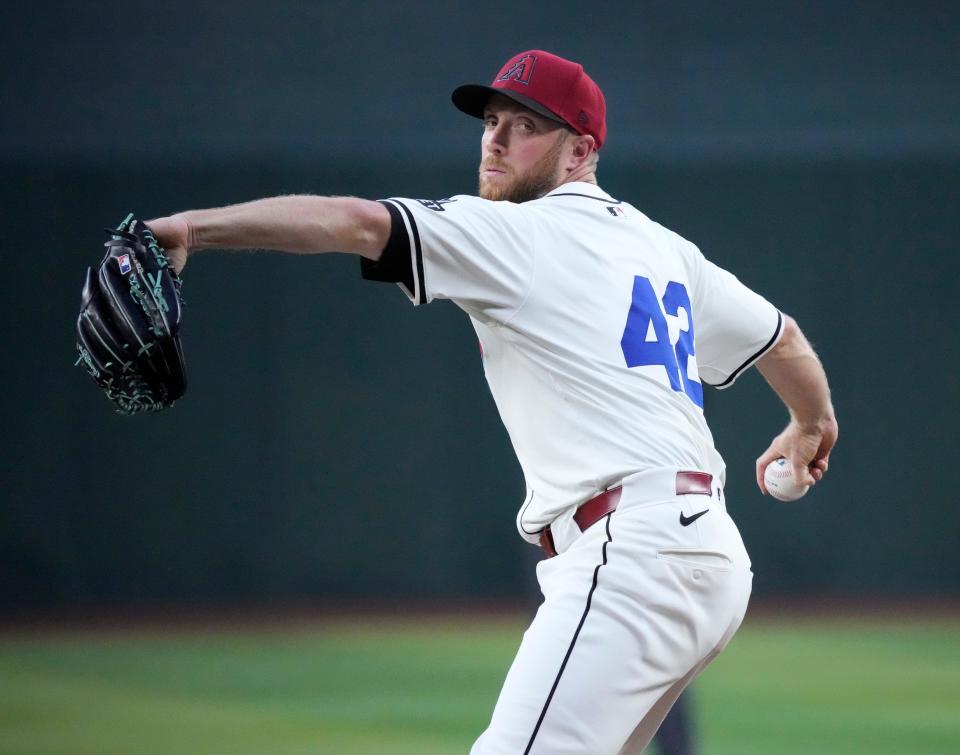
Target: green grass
{"points": [[428, 686]]}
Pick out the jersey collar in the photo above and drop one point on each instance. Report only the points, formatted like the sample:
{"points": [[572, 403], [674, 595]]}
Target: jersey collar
{"points": [[583, 189]]}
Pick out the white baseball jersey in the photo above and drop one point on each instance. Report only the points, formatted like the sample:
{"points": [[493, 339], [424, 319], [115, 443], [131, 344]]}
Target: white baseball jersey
{"points": [[598, 329]]}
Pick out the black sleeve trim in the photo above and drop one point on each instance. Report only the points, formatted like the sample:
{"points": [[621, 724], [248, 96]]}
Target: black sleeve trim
{"points": [[773, 339], [400, 255]]}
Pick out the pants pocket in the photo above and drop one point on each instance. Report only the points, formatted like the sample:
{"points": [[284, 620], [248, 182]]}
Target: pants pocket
{"points": [[697, 557]]}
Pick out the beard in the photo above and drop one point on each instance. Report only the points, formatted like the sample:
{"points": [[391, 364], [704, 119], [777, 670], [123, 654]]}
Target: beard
{"points": [[540, 179]]}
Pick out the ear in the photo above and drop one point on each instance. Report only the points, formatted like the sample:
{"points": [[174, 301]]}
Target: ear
{"points": [[583, 147]]}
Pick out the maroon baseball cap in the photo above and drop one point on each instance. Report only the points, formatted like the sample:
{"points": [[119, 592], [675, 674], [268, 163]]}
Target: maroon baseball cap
{"points": [[554, 87]]}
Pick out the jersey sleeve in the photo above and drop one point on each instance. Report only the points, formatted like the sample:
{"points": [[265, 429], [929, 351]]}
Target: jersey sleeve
{"points": [[476, 252], [735, 325]]}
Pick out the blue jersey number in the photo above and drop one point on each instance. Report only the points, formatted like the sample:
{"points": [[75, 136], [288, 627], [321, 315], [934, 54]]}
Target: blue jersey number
{"points": [[646, 338]]}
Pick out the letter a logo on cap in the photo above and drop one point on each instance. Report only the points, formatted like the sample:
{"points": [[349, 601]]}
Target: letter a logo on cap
{"points": [[520, 70]]}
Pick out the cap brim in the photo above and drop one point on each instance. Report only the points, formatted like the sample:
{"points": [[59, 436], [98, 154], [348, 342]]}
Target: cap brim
{"points": [[473, 98]]}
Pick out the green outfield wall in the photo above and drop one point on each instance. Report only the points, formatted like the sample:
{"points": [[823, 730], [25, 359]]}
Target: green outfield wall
{"points": [[337, 444]]}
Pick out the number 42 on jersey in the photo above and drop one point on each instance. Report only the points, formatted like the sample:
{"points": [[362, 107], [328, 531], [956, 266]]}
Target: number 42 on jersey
{"points": [[646, 337]]}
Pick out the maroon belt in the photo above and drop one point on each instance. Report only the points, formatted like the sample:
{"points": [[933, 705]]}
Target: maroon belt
{"points": [[591, 512]]}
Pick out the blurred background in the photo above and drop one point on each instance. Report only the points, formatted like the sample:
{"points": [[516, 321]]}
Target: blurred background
{"points": [[339, 449]]}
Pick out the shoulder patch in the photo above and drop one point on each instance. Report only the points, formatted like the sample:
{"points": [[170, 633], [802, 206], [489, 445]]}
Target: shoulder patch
{"points": [[435, 204]]}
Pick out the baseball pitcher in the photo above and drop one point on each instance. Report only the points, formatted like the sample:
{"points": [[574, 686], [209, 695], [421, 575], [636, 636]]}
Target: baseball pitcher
{"points": [[599, 330]]}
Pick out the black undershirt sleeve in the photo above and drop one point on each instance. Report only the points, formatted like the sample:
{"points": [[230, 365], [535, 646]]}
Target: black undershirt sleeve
{"points": [[396, 262]]}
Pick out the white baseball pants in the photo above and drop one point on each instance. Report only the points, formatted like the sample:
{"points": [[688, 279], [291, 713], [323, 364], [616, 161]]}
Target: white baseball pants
{"points": [[634, 608]]}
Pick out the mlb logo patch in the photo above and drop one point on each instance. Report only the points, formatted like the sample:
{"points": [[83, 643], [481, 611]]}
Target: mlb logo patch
{"points": [[615, 211], [124, 261]]}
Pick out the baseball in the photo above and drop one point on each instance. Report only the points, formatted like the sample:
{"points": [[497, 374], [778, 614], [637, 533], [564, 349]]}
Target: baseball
{"points": [[778, 477]]}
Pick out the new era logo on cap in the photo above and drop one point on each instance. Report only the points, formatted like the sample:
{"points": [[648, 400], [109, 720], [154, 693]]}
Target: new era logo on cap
{"points": [[552, 86]]}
